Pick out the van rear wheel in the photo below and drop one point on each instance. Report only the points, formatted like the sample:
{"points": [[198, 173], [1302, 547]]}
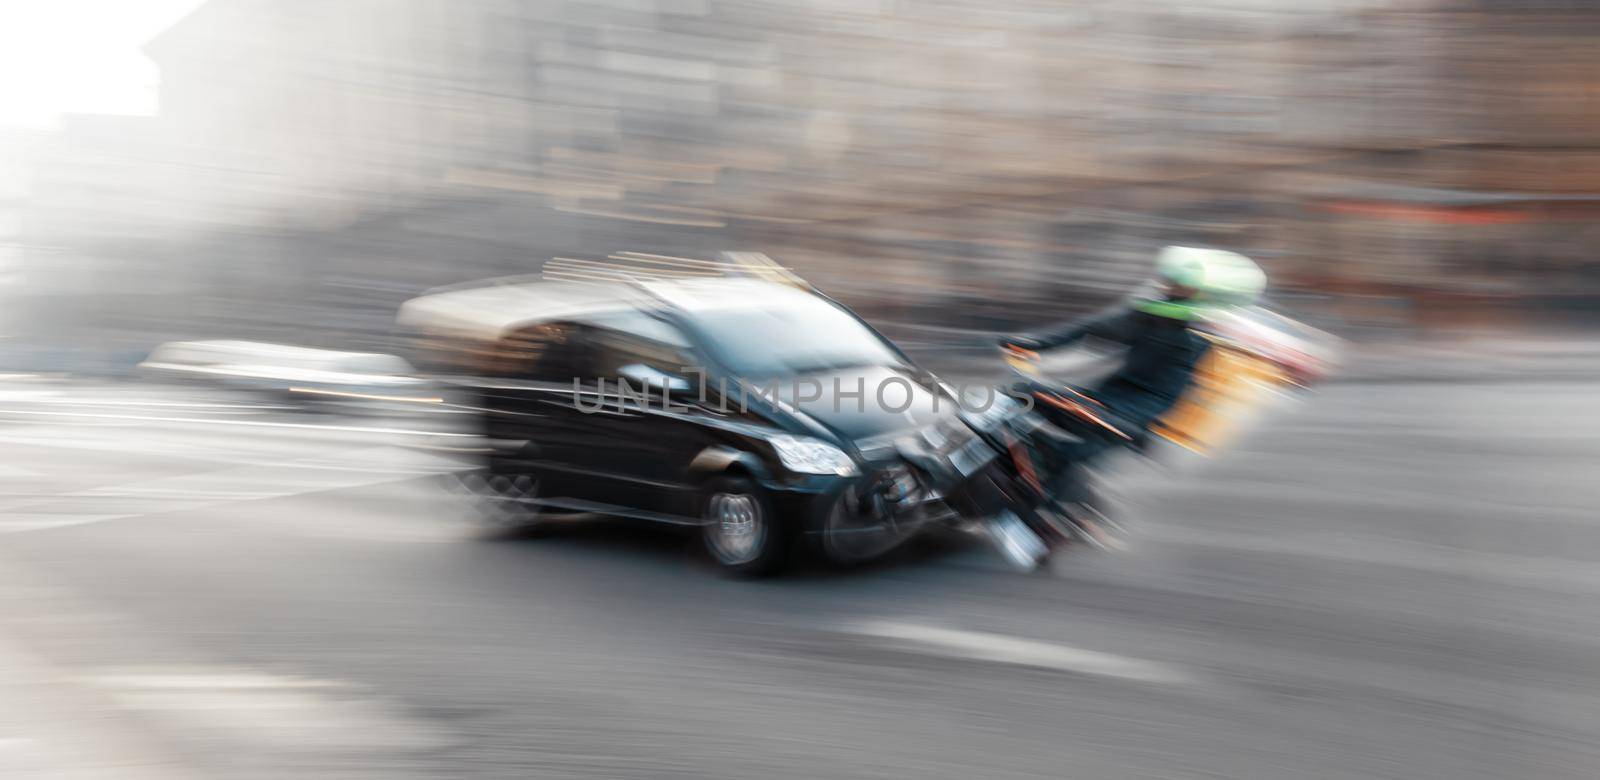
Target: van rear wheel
{"points": [[502, 505]]}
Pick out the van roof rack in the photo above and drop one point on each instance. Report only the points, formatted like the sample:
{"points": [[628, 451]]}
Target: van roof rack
{"points": [[638, 267]]}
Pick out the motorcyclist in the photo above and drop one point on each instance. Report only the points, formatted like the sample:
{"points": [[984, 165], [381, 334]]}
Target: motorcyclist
{"points": [[1163, 346]]}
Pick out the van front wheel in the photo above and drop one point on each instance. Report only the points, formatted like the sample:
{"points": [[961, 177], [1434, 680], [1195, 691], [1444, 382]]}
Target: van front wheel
{"points": [[740, 529]]}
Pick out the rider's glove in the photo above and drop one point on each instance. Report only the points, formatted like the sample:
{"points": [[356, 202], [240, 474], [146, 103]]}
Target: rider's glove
{"points": [[1021, 341]]}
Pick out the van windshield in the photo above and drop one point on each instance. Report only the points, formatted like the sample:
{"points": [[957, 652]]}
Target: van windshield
{"points": [[796, 337]]}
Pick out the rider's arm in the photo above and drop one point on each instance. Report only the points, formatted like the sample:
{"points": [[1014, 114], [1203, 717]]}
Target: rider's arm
{"points": [[1111, 325]]}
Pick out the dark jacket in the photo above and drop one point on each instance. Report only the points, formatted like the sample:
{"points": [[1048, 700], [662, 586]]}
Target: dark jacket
{"points": [[1157, 368]]}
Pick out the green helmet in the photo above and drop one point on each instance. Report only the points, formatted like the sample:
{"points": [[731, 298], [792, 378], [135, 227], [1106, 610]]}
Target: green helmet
{"points": [[1216, 278]]}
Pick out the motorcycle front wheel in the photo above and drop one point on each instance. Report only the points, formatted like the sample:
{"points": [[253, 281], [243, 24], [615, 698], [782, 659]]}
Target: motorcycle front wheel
{"points": [[851, 535]]}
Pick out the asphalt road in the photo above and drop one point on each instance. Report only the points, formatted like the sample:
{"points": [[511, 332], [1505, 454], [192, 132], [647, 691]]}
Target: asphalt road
{"points": [[1392, 580]]}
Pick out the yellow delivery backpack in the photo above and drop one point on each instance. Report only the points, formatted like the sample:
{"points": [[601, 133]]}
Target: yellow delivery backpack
{"points": [[1230, 382]]}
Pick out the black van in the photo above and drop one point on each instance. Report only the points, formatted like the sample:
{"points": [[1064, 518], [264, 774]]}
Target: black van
{"points": [[760, 413]]}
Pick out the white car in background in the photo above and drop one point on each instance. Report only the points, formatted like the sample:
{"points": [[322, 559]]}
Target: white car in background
{"points": [[303, 375]]}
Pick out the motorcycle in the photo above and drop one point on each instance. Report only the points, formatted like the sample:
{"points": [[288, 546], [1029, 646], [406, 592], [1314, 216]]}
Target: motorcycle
{"points": [[1016, 496]]}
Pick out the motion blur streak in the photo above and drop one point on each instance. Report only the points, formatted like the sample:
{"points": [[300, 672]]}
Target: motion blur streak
{"points": [[308, 312]]}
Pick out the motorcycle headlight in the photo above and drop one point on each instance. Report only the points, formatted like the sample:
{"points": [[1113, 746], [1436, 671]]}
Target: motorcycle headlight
{"points": [[987, 419], [806, 455]]}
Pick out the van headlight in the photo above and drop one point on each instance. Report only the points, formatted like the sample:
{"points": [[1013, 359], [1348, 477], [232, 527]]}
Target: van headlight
{"points": [[805, 455]]}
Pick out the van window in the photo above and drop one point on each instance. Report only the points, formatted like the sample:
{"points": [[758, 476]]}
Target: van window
{"points": [[547, 352], [611, 350]]}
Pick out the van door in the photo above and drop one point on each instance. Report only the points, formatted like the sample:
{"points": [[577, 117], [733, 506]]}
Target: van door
{"points": [[530, 397], [644, 441]]}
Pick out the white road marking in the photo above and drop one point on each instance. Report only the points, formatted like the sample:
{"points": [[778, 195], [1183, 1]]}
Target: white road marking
{"points": [[1567, 575], [250, 423], [54, 399], [55, 729], [15, 523], [1002, 649], [274, 714], [207, 679], [28, 395], [257, 481], [175, 442]]}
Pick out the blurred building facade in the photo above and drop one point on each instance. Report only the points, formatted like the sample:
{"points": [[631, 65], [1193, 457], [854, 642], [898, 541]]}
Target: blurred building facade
{"points": [[932, 160]]}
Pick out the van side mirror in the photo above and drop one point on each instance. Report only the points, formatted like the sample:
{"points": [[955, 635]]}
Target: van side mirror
{"points": [[641, 375]]}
